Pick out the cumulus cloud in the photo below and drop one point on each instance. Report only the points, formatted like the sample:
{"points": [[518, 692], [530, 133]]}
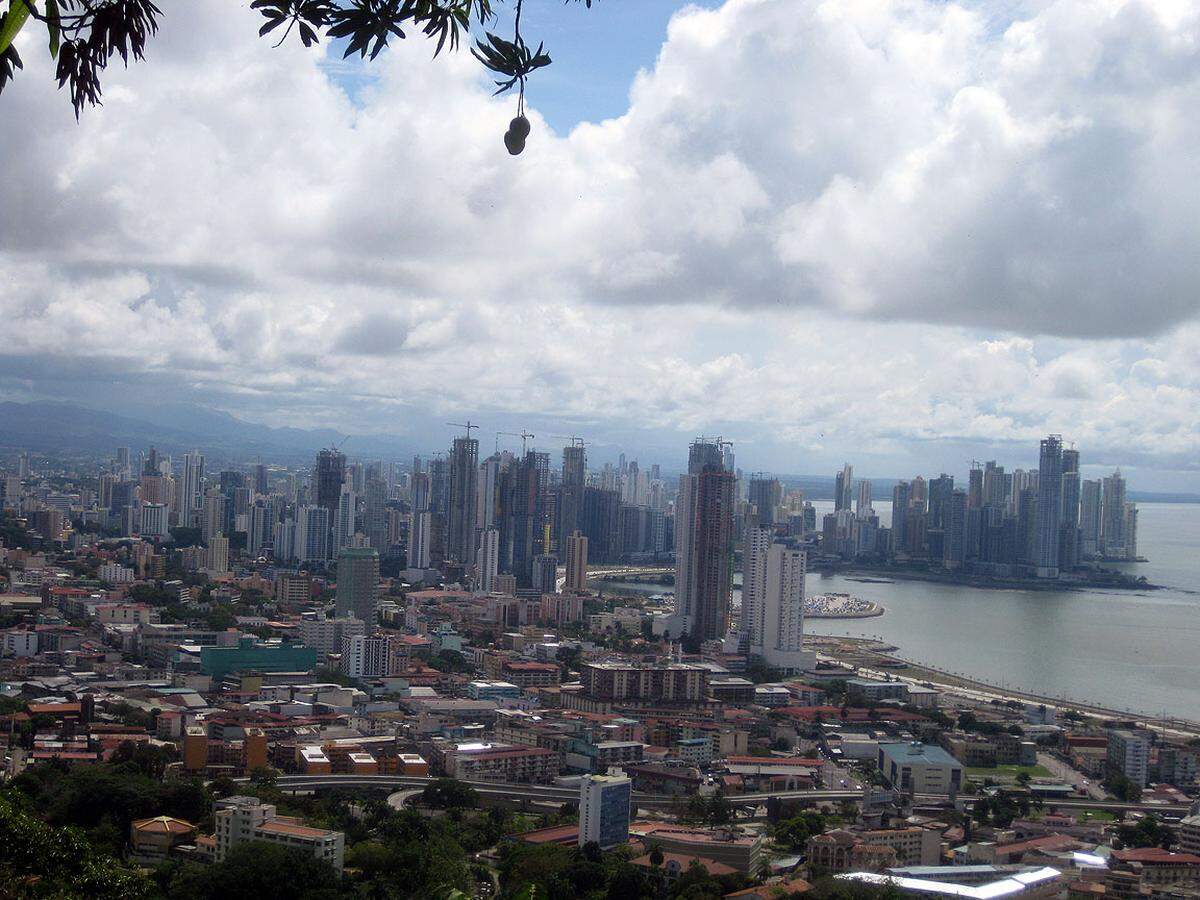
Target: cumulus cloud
{"points": [[823, 225]]}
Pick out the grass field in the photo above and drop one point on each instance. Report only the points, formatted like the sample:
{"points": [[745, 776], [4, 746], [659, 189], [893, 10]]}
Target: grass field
{"points": [[1008, 773], [1096, 815]]}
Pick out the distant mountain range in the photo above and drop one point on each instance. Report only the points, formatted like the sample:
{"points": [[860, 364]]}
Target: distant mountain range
{"points": [[46, 426]]}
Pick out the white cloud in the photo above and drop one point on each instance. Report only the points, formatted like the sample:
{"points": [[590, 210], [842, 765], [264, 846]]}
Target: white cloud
{"points": [[834, 226]]}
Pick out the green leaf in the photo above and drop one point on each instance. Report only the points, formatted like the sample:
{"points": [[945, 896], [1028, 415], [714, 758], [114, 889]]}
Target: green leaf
{"points": [[14, 21], [52, 26]]}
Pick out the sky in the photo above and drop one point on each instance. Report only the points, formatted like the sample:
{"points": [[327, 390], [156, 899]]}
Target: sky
{"points": [[903, 234]]}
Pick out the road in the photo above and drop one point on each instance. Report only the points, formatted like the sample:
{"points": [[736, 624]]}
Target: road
{"points": [[526, 793], [1068, 775]]}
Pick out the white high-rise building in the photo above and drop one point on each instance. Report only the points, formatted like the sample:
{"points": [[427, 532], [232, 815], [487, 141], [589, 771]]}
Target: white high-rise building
{"points": [[343, 528], [212, 515], [369, 656], [154, 520], [284, 540], [485, 492], [258, 530], [1129, 754], [312, 534], [604, 810], [487, 559], [418, 539], [1112, 524], [190, 498], [1090, 518], [218, 554], [325, 635], [863, 506], [772, 624]]}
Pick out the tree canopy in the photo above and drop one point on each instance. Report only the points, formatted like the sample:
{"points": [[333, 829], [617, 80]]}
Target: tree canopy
{"points": [[83, 36]]}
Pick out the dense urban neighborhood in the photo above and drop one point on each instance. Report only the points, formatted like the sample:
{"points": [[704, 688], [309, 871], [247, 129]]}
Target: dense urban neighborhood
{"points": [[369, 679]]}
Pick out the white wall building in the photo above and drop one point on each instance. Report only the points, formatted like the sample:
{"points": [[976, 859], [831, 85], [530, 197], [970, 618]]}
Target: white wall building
{"points": [[155, 520], [1129, 753], [418, 539], [772, 624], [326, 635], [367, 656], [487, 559]]}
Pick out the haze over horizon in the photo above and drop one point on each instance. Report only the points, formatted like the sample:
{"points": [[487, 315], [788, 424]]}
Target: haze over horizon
{"points": [[904, 235]]}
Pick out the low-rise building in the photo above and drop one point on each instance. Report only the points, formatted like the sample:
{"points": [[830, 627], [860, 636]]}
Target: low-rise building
{"points": [[920, 768], [479, 761], [156, 837], [239, 819]]}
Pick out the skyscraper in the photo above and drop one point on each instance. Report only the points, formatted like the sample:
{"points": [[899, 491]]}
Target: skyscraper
{"points": [[487, 559], [217, 554], [940, 489], [191, 489], [328, 477], [975, 487], [841, 488], [375, 512], [439, 509], [704, 545], [862, 506], [570, 492], [418, 539], [954, 529], [258, 528], [577, 560], [1089, 518], [1069, 540], [260, 479], [486, 491], [994, 485], [1113, 518], [122, 468], [772, 623], [1131, 524], [463, 501], [766, 495], [600, 522], [900, 507], [545, 573], [357, 583], [344, 521], [1049, 506], [312, 534], [528, 525]]}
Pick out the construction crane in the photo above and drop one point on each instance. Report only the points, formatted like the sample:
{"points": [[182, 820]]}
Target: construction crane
{"points": [[467, 425], [575, 440], [523, 435]]}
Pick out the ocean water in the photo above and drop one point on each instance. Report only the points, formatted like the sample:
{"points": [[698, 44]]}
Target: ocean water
{"points": [[1135, 650], [1132, 650]]}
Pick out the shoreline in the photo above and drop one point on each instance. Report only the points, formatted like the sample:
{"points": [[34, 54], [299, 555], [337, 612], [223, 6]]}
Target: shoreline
{"points": [[883, 575], [889, 658], [873, 614]]}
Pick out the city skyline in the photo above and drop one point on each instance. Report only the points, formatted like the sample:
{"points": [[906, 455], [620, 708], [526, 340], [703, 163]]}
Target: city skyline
{"points": [[732, 293], [754, 452]]}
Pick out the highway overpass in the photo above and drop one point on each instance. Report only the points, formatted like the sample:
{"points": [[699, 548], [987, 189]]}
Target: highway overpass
{"points": [[532, 793]]}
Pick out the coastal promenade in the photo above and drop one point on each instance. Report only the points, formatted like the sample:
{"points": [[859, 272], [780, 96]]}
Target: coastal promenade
{"points": [[875, 659]]}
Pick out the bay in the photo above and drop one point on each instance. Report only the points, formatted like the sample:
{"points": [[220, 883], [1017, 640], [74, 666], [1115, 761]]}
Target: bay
{"points": [[1132, 650]]}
